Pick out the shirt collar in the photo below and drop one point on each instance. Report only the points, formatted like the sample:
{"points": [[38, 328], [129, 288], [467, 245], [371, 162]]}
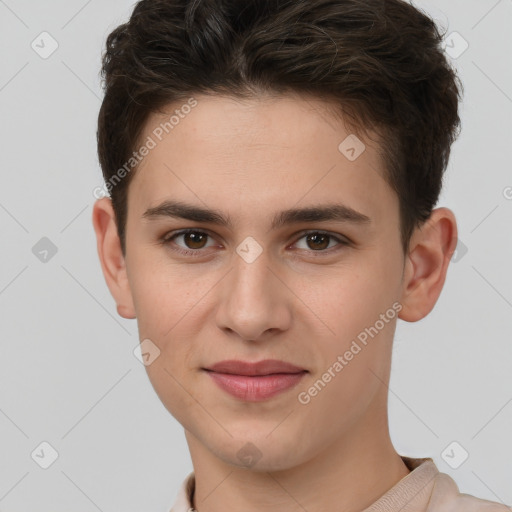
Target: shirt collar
{"points": [[411, 493]]}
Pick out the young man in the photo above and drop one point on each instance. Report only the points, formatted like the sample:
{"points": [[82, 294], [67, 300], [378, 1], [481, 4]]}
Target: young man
{"points": [[273, 168]]}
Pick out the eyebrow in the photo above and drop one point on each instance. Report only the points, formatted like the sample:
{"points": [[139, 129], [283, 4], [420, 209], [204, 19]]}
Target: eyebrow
{"points": [[329, 212]]}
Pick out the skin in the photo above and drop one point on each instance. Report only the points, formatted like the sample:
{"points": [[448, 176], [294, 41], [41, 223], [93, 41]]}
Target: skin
{"points": [[295, 302]]}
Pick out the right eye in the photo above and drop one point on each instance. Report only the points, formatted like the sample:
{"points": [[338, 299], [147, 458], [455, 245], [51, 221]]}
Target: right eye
{"points": [[193, 239]]}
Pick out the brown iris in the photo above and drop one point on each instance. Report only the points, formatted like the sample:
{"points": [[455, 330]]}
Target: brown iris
{"points": [[195, 239], [318, 240]]}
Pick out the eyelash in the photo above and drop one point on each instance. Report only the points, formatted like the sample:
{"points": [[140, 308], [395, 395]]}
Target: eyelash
{"points": [[169, 237]]}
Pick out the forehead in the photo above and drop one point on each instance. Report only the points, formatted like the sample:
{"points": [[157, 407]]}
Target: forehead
{"points": [[245, 155]]}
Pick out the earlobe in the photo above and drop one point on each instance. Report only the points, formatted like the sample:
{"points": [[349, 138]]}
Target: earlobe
{"points": [[432, 246], [111, 257]]}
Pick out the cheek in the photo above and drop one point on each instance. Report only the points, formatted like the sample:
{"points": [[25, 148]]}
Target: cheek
{"points": [[178, 396], [351, 305], [348, 300], [160, 295], [167, 309]]}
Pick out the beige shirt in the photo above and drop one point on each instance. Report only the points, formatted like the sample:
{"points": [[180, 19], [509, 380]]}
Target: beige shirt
{"points": [[424, 489]]}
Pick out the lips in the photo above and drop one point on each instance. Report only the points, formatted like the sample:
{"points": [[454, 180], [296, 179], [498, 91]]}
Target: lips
{"points": [[265, 367], [255, 382]]}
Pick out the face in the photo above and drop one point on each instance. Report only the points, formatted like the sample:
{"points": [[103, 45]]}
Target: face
{"points": [[318, 286]]}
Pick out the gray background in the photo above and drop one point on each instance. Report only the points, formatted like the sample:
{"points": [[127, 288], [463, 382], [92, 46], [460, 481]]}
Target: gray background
{"points": [[68, 375]]}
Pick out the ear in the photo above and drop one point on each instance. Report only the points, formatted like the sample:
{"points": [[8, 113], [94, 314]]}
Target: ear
{"points": [[430, 251], [111, 256]]}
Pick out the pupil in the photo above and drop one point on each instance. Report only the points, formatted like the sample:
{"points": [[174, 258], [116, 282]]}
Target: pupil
{"points": [[316, 238], [194, 239]]}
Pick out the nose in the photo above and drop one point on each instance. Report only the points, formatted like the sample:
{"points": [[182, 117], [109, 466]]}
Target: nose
{"points": [[254, 301]]}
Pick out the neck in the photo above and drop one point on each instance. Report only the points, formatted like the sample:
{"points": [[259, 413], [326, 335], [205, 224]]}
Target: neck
{"points": [[349, 475]]}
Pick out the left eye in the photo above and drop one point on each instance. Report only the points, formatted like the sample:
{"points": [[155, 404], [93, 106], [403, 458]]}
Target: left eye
{"points": [[194, 241], [319, 241]]}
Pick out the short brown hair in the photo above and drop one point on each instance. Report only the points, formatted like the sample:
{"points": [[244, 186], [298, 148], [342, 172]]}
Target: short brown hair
{"points": [[380, 61]]}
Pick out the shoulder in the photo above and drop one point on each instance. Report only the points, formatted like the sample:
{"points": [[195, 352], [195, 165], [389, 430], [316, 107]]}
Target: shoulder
{"points": [[447, 498], [183, 501]]}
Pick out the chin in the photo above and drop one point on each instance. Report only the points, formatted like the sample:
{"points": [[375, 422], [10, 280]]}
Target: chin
{"points": [[256, 451]]}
